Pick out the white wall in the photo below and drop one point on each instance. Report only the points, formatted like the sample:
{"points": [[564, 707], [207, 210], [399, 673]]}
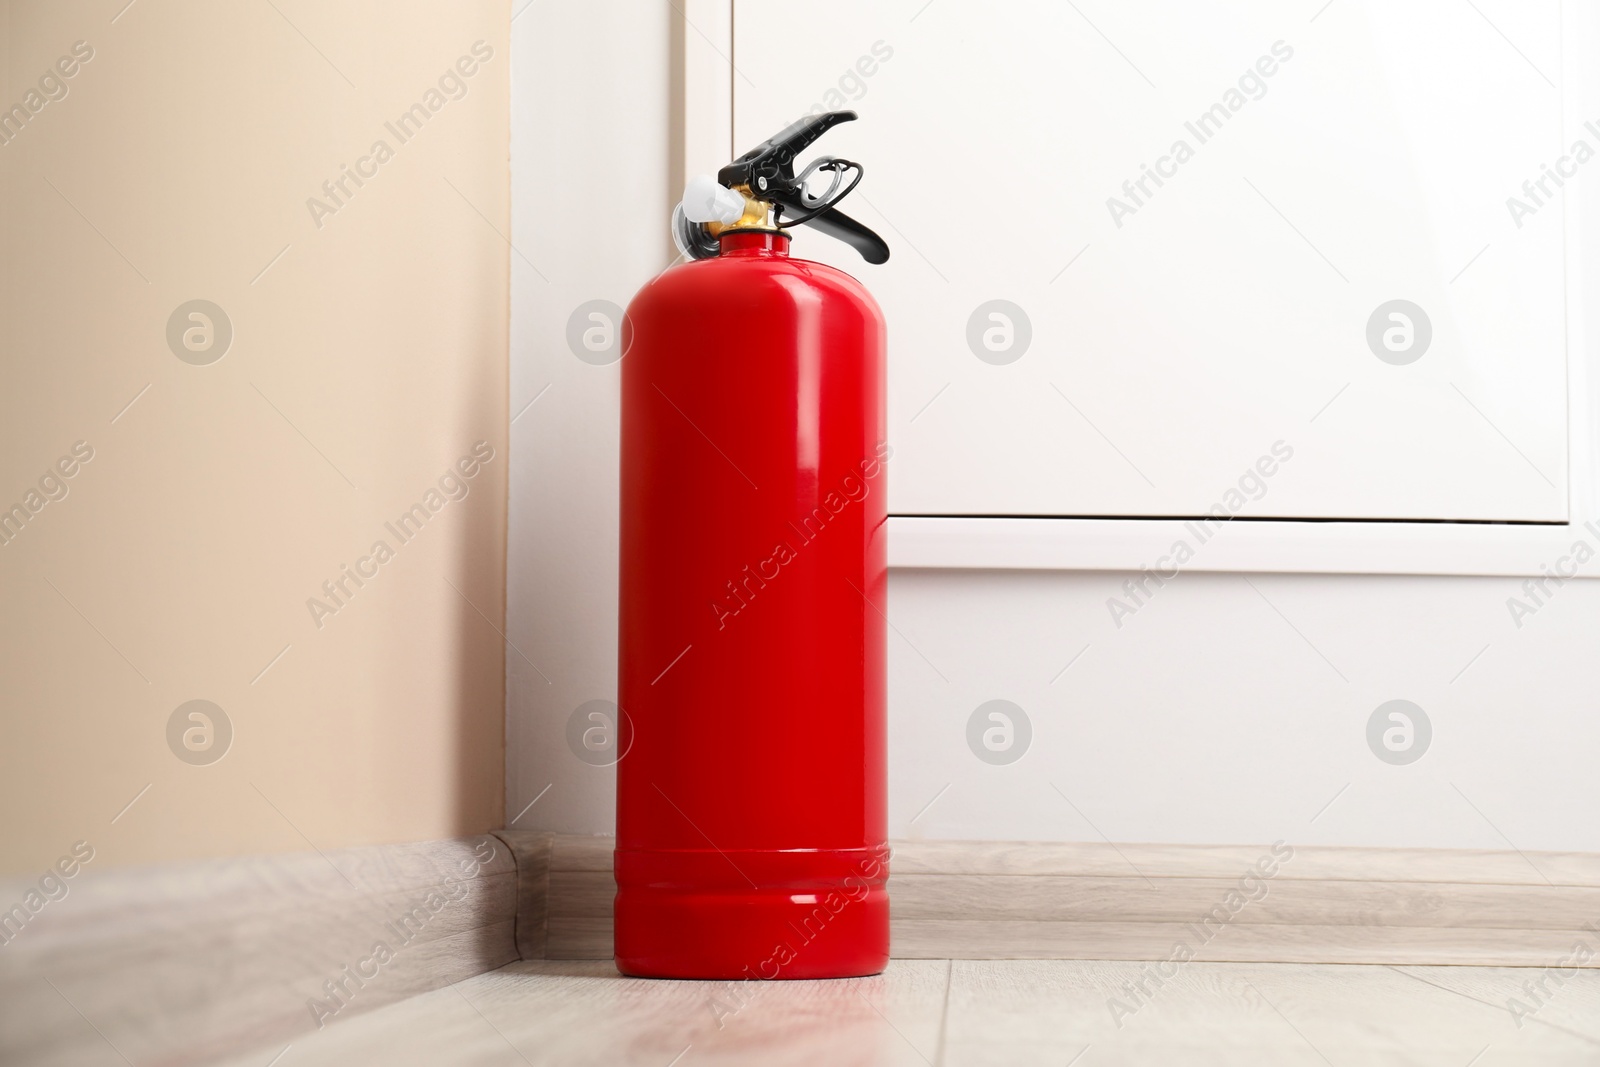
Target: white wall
{"points": [[1218, 713], [1209, 717], [589, 155]]}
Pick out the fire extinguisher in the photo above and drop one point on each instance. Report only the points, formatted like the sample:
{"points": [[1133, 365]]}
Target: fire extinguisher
{"points": [[751, 789]]}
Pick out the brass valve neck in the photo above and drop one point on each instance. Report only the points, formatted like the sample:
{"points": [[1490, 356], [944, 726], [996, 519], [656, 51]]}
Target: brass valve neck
{"points": [[757, 215]]}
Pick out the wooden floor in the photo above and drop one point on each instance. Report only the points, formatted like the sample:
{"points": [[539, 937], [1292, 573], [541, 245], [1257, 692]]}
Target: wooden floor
{"points": [[955, 1013]]}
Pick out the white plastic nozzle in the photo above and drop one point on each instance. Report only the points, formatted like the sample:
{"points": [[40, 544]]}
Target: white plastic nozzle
{"points": [[705, 200]]}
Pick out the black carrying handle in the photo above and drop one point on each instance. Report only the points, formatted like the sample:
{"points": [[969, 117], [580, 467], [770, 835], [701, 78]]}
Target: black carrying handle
{"points": [[768, 172], [774, 157]]}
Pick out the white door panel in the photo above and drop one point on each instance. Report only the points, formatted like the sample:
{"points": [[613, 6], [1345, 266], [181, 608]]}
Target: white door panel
{"points": [[1228, 308]]}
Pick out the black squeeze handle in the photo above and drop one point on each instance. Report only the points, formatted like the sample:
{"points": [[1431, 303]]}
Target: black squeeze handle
{"points": [[768, 172]]}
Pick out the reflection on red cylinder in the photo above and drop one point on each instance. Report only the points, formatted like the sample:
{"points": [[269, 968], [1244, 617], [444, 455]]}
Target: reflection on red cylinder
{"points": [[750, 800]]}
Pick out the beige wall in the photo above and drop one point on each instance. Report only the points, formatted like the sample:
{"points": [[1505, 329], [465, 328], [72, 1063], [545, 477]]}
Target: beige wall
{"points": [[365, 360]]}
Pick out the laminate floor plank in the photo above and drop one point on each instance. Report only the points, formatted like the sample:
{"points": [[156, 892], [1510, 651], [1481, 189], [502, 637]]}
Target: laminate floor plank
{"points": [[1093, 1014], [967, 1013], [1557, 995], [580, 1013]]}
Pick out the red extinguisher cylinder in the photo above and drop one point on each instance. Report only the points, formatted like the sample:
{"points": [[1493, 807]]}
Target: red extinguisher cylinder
{"points": [[751, 789]]}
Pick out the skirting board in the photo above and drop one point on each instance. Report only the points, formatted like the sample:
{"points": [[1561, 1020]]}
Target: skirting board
{"points": [[185, 963], [1032, 900]]}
